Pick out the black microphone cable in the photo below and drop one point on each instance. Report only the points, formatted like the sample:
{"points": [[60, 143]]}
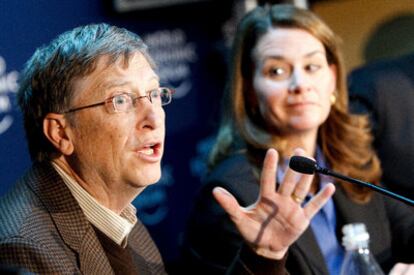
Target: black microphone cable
{"points": [[306, 165]]}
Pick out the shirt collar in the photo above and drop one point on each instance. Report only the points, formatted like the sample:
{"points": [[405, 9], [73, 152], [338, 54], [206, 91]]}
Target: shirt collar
{"points": [[116, 227]]}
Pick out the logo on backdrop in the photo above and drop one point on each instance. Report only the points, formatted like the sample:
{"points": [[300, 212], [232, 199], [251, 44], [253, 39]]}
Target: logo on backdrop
{"points": [[173, 55], [8, 88]]}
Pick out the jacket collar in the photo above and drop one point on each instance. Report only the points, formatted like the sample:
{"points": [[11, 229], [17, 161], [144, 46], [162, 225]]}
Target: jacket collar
{"points": [[307, 245], [69, 219]]}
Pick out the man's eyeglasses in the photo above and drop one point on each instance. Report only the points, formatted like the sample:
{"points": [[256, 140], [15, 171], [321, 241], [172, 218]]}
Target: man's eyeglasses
{"points": [[125, 102]]}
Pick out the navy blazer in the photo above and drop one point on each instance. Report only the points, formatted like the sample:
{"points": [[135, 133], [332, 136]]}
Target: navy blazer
{"points": [[385, 91], [211, 239]]}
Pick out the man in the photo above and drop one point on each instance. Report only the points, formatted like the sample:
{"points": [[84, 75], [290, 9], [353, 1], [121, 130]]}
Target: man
{"points": [[385, 90], [94, 122]]}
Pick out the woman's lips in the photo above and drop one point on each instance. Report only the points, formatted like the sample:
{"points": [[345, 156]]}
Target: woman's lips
{"points": [[300, 104]]}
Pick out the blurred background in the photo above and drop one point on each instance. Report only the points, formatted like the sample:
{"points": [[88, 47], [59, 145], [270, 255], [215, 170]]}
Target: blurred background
{"points": [[189, 40]]}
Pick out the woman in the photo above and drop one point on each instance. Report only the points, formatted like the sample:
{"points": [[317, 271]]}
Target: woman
{"points": [[287, 89]]}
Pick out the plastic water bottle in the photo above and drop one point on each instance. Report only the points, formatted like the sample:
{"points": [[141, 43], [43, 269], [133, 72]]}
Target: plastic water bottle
{"points": [[358, 259]]}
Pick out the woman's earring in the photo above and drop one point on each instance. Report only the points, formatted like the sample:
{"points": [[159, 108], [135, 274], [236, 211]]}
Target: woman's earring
{"points": [[333, 98]]}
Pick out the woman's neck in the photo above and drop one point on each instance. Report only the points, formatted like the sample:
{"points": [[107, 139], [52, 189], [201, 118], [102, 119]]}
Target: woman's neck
{"points": [[306, 141]]}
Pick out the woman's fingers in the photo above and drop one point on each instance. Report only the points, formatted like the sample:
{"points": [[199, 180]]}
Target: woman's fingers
{"points": [[289, 182], [296, 184], [318, 201], [259, 223], [302, 187], [228, 202], [268, 176]]}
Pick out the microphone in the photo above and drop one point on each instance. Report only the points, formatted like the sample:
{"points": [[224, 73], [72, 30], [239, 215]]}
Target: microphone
{"points": [[306, 165]]}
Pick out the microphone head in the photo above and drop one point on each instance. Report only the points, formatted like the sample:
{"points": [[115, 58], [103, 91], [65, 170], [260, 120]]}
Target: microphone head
{"points": [[303, 165]]}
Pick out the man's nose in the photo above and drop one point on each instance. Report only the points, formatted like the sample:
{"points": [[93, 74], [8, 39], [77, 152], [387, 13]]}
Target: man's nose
{"points": [[152, 116]]}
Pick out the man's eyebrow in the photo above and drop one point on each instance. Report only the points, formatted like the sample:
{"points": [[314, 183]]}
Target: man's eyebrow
{"points": [[106, 85]]}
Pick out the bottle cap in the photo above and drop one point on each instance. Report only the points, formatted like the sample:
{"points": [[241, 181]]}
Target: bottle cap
{"points": [[355, 236]]}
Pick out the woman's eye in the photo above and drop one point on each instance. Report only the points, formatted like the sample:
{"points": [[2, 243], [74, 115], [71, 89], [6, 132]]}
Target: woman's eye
{"points": [[312, 67], [278, 73]]}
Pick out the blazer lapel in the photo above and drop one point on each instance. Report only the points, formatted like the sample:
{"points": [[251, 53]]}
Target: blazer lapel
{"points": [[308, 247], [70, 221], [372, 214], [144, 251], [92, 257]]}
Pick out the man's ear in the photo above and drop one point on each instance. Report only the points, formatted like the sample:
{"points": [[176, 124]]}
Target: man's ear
{"points": [[55, 129]]}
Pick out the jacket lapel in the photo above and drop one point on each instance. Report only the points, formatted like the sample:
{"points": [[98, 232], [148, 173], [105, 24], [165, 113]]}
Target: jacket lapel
{"points": [[144, 251], [372, 214], [308, 247], [74, 228]]}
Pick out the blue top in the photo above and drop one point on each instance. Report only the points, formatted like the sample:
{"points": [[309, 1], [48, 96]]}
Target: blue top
{"points": [[323, 223]]}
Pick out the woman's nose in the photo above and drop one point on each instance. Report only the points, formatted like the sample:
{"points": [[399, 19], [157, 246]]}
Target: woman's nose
{"points": [[298, 82]]}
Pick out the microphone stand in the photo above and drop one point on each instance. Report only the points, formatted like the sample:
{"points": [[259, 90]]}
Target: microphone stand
{"points": [[365, 184]]}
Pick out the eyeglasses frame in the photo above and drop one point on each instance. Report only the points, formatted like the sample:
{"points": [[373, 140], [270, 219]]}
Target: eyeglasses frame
{"points": [[134, 99]]}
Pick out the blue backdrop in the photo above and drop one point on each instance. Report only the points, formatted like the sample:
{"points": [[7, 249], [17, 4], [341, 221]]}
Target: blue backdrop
{"points": [[188, 43]]}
